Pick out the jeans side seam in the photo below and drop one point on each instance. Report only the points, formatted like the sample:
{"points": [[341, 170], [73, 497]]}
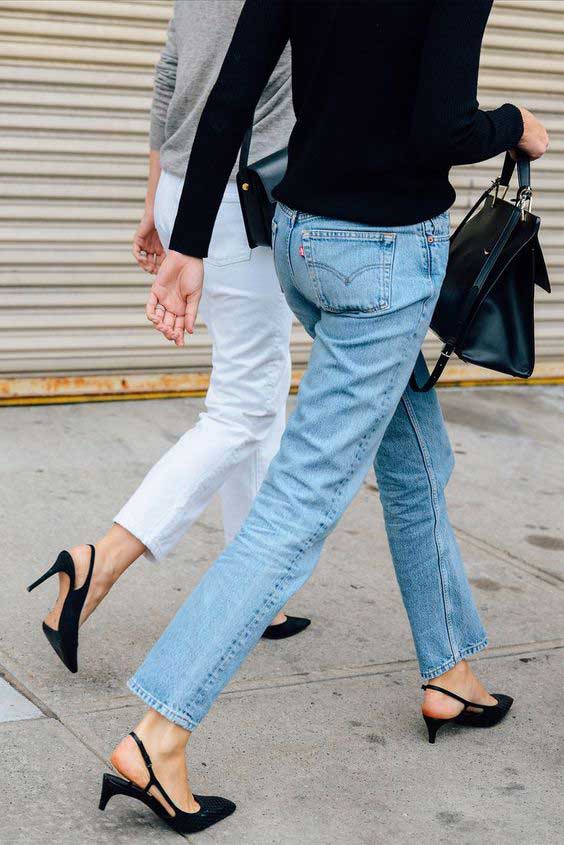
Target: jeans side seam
{"points": [[198, 696], [434, 501]]}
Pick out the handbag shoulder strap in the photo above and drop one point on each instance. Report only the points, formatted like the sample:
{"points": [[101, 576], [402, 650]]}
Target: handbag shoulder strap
{"points": [[245, 148]]}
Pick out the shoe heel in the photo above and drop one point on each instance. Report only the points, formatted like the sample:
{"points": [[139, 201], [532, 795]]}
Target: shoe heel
{"points": [[107, 792], [60, 565], [112, 785], [433, 726]]}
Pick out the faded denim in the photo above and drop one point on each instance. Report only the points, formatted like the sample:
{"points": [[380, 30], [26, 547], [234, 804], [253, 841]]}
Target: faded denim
{"points": [[366, 296]]}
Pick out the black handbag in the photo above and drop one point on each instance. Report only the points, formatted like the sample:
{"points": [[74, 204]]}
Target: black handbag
{"points": [[255, 183], [485, 311]]}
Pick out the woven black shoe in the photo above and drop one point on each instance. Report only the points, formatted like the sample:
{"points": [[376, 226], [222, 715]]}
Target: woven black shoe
{"points": [[480, 716], [292, 626], [212, 809]]}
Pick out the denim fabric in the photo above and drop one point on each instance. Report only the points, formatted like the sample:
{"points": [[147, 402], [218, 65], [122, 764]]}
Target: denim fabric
{"points": [[366, 297]]}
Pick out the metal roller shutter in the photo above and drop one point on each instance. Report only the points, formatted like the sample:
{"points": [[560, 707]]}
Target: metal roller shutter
{"points": [[75, 90]]}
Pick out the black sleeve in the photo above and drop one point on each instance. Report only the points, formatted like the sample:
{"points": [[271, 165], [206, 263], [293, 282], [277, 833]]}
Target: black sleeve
{"points": [[259, 39], [448, 122]]}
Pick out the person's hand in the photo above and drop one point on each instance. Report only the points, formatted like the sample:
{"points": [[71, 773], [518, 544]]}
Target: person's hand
{"points": [[175, 295], [147, 248], [534, 140]]}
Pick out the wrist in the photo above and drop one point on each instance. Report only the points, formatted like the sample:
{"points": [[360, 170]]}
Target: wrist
{"points": [[182, 258]]}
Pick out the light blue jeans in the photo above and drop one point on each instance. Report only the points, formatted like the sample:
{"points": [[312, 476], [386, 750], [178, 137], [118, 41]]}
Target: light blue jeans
{"points": [[366, 296]]}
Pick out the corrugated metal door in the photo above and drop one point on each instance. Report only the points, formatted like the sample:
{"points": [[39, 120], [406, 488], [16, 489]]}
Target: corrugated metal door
{"points": [[75, 90]]}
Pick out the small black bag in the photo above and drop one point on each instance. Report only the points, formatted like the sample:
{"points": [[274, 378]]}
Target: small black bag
{"points": [[485, 311], [255, 183]]}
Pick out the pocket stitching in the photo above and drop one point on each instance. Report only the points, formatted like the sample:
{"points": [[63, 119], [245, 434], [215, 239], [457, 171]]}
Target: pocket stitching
{"points": [[385, 288], [232, 259]]}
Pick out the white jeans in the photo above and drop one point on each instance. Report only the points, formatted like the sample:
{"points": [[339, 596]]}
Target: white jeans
{"points": [[230, 447]]}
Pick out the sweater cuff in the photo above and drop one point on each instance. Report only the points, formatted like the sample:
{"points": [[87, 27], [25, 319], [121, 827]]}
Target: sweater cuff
{"points": [[189, 241], [510, 122]]}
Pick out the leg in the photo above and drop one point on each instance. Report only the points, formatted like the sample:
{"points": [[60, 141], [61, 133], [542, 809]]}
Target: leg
{"points": [[239, 490], [359, 366], [250, 474], [250, 323], [413, 465]]}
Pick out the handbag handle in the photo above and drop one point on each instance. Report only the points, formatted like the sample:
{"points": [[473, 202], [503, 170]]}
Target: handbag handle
{"points": [[523, 196], [523, 171]]}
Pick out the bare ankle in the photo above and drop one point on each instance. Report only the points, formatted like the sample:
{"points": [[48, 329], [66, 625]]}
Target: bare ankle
{"points": [[459, 670], [117, 550], [164, 736]]}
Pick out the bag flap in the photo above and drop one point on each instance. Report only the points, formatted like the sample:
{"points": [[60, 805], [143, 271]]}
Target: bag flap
{"points": [[539, 267], [270, 170]]}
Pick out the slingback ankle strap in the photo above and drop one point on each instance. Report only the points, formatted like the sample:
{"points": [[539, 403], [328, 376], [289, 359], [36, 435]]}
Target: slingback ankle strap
{"points": [[153, 780], [452, 695], [146, 759]]}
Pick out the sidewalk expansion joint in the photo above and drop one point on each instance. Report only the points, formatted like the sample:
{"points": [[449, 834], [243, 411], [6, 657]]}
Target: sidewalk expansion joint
{"points": [[46, 711], [375, 669], [23, 690], [347, 673], [513, 560]]}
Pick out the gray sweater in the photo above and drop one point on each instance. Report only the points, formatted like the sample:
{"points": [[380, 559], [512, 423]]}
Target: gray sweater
{"points": [[199, 34]]}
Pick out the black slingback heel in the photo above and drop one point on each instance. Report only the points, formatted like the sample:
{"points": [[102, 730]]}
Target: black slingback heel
{"points": [[212, 809], [487, 716], [289, 628], [65, 639]]}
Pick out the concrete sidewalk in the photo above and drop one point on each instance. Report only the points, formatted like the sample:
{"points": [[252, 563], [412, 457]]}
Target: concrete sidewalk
{"points": [[318, 739]]}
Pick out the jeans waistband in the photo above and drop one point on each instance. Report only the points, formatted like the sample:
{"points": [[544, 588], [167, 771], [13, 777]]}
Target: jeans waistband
{"points": [[438, 226]]}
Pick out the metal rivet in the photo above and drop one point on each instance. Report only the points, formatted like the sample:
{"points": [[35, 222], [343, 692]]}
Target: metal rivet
{"points": [[430, 239], [245, 186]]}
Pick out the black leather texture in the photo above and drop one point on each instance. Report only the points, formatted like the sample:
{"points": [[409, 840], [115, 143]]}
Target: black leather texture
{"points": [[255, 183], [485, 312]]}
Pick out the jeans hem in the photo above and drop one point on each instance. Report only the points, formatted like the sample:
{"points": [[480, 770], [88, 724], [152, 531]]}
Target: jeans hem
{"points": [[444, 667], [183, 721]]}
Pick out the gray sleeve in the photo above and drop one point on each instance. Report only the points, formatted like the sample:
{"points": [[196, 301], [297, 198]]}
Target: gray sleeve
{"points": [[165, 81]]}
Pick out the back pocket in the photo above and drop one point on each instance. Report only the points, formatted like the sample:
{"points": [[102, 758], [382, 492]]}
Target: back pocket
{"points": [[229, 244], [351, 270]]}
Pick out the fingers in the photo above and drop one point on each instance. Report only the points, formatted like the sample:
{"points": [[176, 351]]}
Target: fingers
{"points": [[179, 331], [534, 141], [167, 325], [151, 308], [172, 306], [166, 322], [145, 261], [192, 303], [148, 251]]}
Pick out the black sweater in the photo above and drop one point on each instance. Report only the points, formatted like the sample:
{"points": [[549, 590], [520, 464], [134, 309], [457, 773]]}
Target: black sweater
{"points": [[384, 93]]}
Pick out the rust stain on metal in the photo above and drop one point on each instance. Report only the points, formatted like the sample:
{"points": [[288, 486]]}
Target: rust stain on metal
{"points": [[88, 388]]}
